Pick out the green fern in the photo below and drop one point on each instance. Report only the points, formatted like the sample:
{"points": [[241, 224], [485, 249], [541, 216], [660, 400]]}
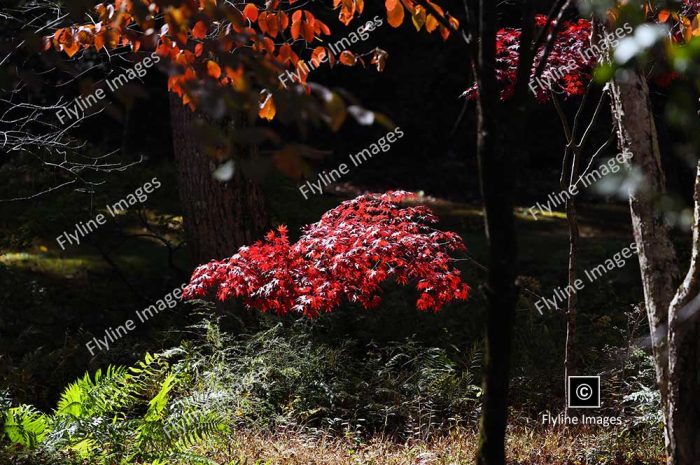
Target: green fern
{"points": [[25, 425], [154, 412]]}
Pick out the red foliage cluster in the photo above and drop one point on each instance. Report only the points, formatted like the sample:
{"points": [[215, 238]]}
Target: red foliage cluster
{"points": [[348, 254], [568, 66], [690, 8]]}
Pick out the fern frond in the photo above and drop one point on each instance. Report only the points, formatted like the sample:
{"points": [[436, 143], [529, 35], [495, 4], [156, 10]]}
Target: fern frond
{"points": [[25, 425]]}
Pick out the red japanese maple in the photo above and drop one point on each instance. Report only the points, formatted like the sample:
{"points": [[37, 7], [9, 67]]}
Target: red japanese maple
{"points": [[347, 255], [570, 64], [568, 67]]}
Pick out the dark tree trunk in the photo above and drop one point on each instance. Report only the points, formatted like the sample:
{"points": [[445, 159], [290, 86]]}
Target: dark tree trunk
{"points": [[219, 217], [497, 178]]}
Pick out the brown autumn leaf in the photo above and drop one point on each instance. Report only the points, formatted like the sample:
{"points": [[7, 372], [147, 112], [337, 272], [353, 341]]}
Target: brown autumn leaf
{"points": [[418, 17], [379, 58]]}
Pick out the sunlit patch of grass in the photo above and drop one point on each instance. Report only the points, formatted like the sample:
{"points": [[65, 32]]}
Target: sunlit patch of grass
{"points": [[50, 264], [524, 214]]}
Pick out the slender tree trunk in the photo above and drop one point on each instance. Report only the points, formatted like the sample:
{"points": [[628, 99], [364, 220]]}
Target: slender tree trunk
{"points": [[631, 109], [684, 358], [219, 217], [571, 309]]}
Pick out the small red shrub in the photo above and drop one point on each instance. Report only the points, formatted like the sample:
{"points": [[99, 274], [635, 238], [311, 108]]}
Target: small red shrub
{"points": [[348, 254]]}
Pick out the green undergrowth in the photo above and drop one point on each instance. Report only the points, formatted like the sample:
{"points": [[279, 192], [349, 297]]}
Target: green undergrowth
{"points": [[210, 398]]}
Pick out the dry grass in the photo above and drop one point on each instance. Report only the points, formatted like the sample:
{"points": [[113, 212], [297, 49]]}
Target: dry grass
{"points": [[525, 447]]}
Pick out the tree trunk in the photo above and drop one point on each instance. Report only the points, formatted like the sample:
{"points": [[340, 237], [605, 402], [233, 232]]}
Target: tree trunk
{"points": [[684, 358], [631, 109], [497, 179], [219, 217], [571, 313]]}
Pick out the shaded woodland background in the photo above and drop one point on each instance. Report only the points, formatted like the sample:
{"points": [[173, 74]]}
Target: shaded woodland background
{"points": [[52, 301]]}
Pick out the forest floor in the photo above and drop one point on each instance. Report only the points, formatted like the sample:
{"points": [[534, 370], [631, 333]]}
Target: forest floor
{"points": [[525, 446]]}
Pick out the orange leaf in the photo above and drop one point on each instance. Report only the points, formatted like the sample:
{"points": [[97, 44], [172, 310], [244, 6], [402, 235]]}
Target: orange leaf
{"points": [[318, 56], [251, 12], [347, 58], [321, 27], [267, 108], [213, 69], [308, 31], [262, 22], [237, 77], [431, 23], [199, 31], [436, 8], [286, 55], [444, 32], [296, 29], [272, 24], [283, 20], [309, 17], [71, 48], [268, 45], [418, 17], [99, 41], [395, 16], [664, 15], [454, 22]]}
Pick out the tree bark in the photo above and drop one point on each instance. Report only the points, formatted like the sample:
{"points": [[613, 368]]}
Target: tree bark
{"points": [[219, 217], [497, 180], [638, 141], [684, 358]]}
